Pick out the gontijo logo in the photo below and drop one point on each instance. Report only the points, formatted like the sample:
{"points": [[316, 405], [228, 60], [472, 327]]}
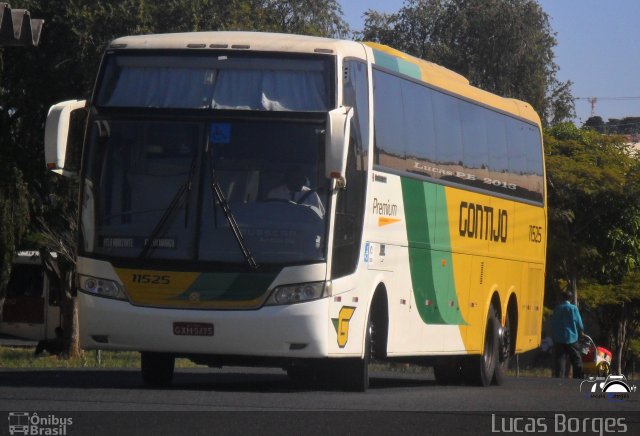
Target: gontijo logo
{"points": [[483, 222], [27, 423]]}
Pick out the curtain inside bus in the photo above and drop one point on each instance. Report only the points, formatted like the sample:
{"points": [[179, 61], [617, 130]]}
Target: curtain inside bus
{"points": [[217, 82]]}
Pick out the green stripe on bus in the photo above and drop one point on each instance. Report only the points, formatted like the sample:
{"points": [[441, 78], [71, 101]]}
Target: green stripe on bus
{"points": [[431, 271], [409, 69], [396, 64], [228, 286]]}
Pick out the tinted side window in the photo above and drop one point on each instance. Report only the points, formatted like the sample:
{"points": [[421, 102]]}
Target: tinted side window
{"points": [[428, 133], [535, 172], [517, 148], [448, 130], [475, 143], [389, 116], [497, 139], [419, 127]]}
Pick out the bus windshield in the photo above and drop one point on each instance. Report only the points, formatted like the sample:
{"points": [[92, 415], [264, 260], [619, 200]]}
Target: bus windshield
{"points": [[240, 81], [149, 189]]}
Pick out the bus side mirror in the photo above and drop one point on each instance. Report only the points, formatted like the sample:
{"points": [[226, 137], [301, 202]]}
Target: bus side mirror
{"points": [[63, 137], [337, 137]]}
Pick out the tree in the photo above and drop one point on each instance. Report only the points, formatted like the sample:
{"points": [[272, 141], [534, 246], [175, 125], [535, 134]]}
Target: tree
{"points": [[617, 309], [594, 223], [503, 46], [629, 126], [14, 219], [596, 123]]}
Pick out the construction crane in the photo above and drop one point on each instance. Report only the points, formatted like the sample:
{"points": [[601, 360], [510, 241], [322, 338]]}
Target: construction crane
{"points": [[592, 102]]}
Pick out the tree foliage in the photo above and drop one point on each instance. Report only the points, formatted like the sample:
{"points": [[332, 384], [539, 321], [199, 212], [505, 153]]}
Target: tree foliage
{"points": [[617, 309], [594, 227], [624, 126], [503, 46], [593, 186], [14, 218]]}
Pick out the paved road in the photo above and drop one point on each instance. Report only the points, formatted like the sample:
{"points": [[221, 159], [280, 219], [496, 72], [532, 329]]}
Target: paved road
{"points": [[269, 402]]}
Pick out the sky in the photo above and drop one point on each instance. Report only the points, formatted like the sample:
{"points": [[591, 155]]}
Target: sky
{"points": [[598, 50]]}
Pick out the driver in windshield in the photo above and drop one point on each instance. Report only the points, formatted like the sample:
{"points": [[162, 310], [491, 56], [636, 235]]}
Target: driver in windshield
{"points": [[295, 190]]}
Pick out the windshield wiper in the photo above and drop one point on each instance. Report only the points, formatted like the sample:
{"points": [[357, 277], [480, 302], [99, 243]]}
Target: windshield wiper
{"points": [[228, 214], [169, 211]]}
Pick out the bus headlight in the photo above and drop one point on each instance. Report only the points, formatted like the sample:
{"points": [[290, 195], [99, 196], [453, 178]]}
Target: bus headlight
{"points": [[101, 287], [299, 293]]}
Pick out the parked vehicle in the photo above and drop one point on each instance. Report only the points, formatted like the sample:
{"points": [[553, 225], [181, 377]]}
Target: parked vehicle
{"points": [[31, 308]]}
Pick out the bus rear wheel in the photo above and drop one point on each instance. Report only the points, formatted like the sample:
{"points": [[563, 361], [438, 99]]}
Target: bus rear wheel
{"points": [[446, 371], [157, 368], [479, 370], [505, 350]]}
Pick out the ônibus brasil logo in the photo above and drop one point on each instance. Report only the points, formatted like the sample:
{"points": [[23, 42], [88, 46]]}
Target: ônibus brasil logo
{"points": [[26, 423]]}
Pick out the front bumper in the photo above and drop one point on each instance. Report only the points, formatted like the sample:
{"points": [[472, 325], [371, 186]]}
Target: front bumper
{"points": [[292, 331]]}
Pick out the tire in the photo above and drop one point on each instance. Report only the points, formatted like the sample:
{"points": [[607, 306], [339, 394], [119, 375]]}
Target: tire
{"points": [[505, 350], [480, 369], [303, 374], [447, 371], [157, 369], [603, 369], [352, 374]]}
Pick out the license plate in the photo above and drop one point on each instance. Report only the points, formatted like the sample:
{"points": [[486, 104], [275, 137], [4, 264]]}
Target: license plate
{"points": [[192, 329]]}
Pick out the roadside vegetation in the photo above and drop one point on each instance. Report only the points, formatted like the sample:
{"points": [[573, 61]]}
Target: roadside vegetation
{"points": [[23, 357]]}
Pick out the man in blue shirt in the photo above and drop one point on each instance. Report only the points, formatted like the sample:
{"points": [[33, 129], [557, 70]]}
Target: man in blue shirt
{"points": [[567, 327]]}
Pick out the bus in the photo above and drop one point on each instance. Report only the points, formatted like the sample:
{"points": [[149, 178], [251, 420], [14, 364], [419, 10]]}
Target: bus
{"points": [[415, 229]]}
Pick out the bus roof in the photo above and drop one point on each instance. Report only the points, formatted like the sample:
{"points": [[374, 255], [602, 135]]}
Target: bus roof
{"points": [[254, 41], [384, 56]]}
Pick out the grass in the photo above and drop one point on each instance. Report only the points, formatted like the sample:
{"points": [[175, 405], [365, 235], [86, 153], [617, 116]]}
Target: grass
{"points": [[531, 372], [23, 357]]}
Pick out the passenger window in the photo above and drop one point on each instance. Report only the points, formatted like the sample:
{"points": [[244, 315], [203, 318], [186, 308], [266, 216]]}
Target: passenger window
{"points": [[389, 134], [497, 140], [474, 137], [448, 130], [419, 127]]}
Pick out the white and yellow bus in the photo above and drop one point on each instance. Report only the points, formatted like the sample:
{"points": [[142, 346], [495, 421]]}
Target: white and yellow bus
{"points": [[304, 203]]}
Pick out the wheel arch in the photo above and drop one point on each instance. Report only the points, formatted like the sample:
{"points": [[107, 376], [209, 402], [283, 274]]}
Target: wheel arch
{"points": [[495, 303], [512, 312], [379, 318]]}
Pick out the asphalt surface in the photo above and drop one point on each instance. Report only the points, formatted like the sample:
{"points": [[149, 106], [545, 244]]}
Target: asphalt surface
{"points": [[265, 401]]}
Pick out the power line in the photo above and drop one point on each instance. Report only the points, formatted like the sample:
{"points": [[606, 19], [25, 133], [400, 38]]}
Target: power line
{"points": [[606, 98]]}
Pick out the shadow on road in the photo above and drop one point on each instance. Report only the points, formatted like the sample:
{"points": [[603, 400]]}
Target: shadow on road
{"points": [[241, 380]]}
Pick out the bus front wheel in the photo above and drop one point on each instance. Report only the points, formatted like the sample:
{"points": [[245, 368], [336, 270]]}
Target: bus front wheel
{"points": [[352, 374], [157, 368]]}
